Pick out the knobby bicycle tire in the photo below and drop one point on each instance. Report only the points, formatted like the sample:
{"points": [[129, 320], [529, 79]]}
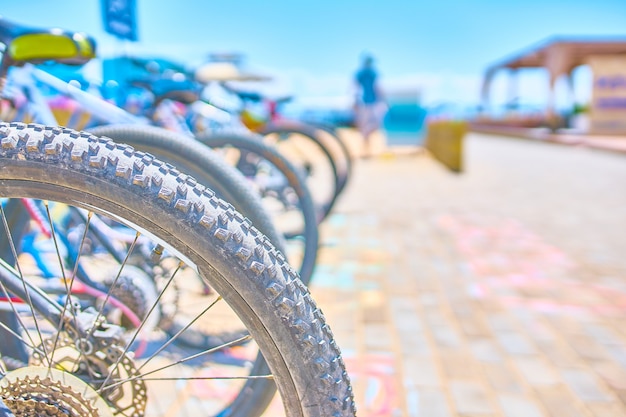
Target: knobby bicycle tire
{"points": [[79, 168], [254, 145], [199, 162]]}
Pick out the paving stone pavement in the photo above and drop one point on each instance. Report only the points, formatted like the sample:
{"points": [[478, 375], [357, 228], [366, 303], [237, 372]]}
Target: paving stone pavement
{"points": [[497, 292]]}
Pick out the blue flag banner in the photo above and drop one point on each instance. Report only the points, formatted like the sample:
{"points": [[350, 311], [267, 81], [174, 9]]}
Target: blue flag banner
{"points": [[120, 18]]}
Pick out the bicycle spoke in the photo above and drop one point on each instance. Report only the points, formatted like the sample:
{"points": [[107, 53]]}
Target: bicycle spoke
{"points": [[173, 338], [71, 285], [80, 250], [178, 362], [213, 378], [128, 345], [17, 316], [114, 283], [32, 344], [21, 276], [191, 378], [119, 411], [68, 288], [56, 245], [13, 333], [21, 339]]}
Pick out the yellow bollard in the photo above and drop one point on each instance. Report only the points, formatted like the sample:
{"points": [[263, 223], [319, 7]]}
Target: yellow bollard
{"points": [[444, 140]]}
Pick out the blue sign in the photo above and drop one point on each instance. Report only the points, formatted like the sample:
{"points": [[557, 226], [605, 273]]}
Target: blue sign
{"points": [[611, 82], [120, 18], [612, 103]]}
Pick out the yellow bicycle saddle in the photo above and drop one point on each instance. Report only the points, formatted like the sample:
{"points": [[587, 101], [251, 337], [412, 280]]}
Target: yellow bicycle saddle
{"points": [[35, 45]]}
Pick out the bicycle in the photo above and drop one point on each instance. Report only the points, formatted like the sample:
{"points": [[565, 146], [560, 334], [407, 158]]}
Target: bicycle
{"points": [[178, 149], [80, 364]]}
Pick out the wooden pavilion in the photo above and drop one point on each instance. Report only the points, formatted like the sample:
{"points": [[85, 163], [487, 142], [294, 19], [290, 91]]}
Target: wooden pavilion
{"points": [[560, 56]]}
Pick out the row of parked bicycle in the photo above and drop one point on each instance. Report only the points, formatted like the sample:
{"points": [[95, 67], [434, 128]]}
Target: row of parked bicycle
{"points": [[155, 262]]}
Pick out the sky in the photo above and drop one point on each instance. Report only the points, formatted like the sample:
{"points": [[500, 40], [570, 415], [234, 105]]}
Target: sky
{"points": [[312, 48]]}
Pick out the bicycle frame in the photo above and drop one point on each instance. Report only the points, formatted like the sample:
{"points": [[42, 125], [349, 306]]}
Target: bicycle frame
{"points": [[27, 78]]}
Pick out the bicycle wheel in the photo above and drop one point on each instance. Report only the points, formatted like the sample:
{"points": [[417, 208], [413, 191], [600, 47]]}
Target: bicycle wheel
{"points": [[300, 145], [340, 152], [282, 189], [83, 365]]}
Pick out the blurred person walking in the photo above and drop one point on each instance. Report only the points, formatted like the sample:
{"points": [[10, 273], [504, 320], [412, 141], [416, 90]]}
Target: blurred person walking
{"points": [[369, 104]]}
